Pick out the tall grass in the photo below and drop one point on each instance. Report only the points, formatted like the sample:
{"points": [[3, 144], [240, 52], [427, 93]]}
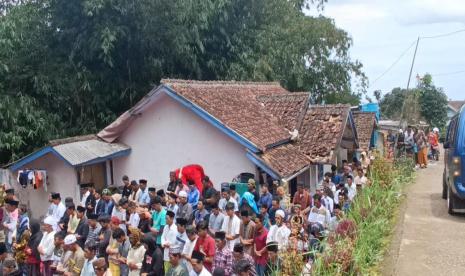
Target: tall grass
{"points": [[373, 213]]}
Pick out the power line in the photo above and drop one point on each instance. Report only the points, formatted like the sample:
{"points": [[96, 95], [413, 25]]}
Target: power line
{"points": [[448, 73], [411, 45], [443, 35], [395, 62]]}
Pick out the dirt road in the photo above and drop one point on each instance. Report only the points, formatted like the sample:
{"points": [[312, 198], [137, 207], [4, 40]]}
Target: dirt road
{"points": [[428, 241]]}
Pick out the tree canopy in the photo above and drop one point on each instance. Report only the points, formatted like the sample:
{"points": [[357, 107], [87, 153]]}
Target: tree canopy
{"points": [[70, 67], [425, 102]]}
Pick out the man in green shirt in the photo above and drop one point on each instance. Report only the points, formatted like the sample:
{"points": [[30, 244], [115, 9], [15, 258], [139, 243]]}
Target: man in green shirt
{"points": [[158, 218], [177, 268]]}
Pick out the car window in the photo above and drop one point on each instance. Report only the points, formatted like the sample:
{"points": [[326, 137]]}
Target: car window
{"points": [[453, 131]]}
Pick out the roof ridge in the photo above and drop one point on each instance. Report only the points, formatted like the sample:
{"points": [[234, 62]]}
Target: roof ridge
{"points": [[73, 139], [218, 82]]}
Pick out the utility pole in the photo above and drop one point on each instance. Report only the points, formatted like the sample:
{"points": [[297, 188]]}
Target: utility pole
{"points": [[408, 86], [413, 62]]}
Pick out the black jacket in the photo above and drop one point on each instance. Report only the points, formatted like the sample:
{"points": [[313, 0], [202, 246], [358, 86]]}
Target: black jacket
{"points": [[82, 230]]}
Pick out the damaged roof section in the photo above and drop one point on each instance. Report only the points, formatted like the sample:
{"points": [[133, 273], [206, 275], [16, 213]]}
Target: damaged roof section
{"points": [[365, 123], [322, 130], [288, 108]]}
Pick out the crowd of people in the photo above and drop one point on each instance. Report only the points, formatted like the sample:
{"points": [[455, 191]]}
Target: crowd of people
{"points": [[178, 231], [417, 143]]}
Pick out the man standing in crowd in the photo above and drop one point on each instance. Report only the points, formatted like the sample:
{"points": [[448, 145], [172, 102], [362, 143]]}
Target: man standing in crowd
{"points": [[47, 245], [172, 184], [209, 193], [107, 203], [126, 187], [168, 238], [77, 259], [158, 219], [279, 232], [194, 195], [184, 209], [225, 199], [135, 193], [240, 256], [301, 197], [59, 209], [82, 229], [247, 232], [231, 226], [201, 214], [90, 251], [205, 245], [223, 257], [266, 197], [144, 197], [274, 208], [215, 221], [259, 246], [197, 265], [94, 229], [176, 267]]}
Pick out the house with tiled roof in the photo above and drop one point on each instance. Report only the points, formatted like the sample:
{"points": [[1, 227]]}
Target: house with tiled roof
{"points": [[227, 127], [365, 123], [453, 107]]}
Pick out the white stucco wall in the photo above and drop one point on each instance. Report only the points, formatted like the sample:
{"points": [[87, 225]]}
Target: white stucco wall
{"points": [[168, 136], [61, 178]]}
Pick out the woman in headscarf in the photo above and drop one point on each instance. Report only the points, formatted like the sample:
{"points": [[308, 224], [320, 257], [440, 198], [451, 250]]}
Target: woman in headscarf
{"points": [[136, 253], [153, 258], [248, 203], [422, 145], [33, 255]]}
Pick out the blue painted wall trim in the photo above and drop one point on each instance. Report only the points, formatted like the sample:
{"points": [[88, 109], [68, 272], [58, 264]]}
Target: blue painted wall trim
{"points": [[33, 156], [210, 119], [259, 163]]}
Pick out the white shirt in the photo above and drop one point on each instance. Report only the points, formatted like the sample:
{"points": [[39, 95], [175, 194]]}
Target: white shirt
{"points": [[134, 220], [223, 201], [121, 214], [187, 251], [58, 212], [352, 191], [329, 203], [136, 256], [51, 209], [96, 204], [84, 198], [168, 237], [48, 244], [360, 181], [204, 272], [233, 230], [279, 234], [88, 268]]}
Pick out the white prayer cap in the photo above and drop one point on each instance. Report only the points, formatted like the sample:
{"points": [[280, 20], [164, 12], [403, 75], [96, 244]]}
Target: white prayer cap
{"points": [[50, 221], [70, 239], [182, 194], [280, 213]]}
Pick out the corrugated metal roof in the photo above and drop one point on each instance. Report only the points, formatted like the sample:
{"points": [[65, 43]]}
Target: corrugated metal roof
{"points": [[81, 152]]}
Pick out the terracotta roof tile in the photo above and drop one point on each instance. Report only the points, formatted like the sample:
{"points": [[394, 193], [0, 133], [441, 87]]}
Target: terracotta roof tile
{"points": [[364, 124], [286, 107], [456, 104], [321, 131], [286, 160], [236, 106]]}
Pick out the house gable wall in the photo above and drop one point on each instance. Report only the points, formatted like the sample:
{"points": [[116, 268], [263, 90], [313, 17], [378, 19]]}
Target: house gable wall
{"points": [[62, 179], [167, 136]]}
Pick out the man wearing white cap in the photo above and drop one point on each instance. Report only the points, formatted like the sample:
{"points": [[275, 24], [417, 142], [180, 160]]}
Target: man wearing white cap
{"points": [[77, 259], [279, 232], [184, 209], [47, 245]]}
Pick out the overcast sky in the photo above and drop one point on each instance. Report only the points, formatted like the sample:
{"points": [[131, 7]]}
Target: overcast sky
{"points": [[383, 30]]}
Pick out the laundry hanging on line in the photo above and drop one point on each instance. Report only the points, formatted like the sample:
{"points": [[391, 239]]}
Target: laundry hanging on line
{"points": [[36, 178]]}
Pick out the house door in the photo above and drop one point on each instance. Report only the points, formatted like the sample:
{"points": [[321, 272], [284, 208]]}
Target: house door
{"points": [[93, 173]]}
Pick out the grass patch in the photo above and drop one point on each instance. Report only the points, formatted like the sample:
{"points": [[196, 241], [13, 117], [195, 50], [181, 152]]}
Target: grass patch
{"points": [[373, 213]]}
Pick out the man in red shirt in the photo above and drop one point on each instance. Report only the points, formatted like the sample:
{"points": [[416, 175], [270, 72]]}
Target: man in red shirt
{"points": [[205, 245], [301, 197], [260, 254]]}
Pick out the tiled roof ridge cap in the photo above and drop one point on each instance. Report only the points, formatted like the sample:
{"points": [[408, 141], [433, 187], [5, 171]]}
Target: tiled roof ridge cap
{"points": [[73, 139], [329, 105], [218, 82]]}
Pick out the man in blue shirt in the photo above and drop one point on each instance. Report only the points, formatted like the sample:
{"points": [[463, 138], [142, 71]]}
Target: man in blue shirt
{"points": [[107, 202], [335, 178], [144, 197], [193, 196], [266, 197]]}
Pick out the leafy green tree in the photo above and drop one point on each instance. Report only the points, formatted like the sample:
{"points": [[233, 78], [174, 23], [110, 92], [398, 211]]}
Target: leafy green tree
{"points": [[87, 61], [433, 102], [391, 104]]}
